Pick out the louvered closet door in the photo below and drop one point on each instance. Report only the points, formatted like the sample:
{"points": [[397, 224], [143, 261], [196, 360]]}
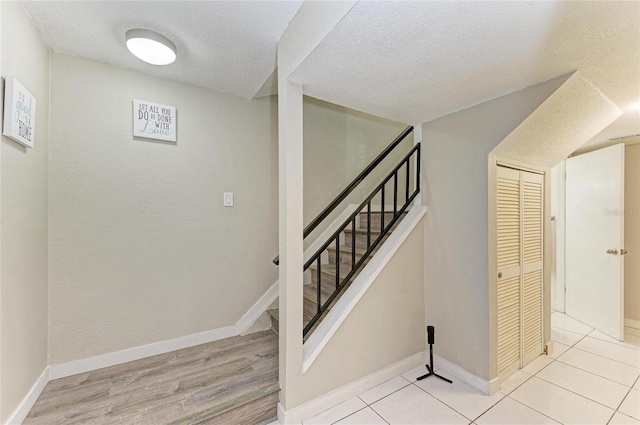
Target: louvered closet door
{"points": [[509, 255], [519, 258], [532, 185]]}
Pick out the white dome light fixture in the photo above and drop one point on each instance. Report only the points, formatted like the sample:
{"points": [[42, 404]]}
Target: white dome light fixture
{"points": [[150, 47]]}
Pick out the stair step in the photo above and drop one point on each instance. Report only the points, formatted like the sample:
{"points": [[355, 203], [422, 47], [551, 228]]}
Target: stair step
{"points": [[359, 231], [375, 219], [310, 293], [328, 271], [361, 239], [275, 320], [308, 311], [345, 255], [328, 278], [253, 407]]}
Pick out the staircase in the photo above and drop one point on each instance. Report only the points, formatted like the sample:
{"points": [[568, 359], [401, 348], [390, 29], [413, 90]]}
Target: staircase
{"points": [[358, 238], [328, 270]]}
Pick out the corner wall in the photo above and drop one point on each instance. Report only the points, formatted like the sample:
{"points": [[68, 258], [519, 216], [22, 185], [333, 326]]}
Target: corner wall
{"points": [[23, 217], [455, 175], [141, 248]]}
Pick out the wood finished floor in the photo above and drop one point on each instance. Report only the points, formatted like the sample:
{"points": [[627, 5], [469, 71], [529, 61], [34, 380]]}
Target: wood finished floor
{"points": [[231, 381]]}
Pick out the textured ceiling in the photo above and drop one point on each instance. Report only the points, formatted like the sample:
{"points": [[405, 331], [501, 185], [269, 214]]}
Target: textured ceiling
{"points": [[229, 46], [575, 112], [415, 61]]}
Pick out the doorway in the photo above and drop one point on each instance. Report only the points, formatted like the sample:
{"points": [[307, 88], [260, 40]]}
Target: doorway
{"points": [[596, 250]]}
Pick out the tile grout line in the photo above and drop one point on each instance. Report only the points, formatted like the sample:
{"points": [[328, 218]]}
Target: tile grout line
{"points": [[437, 399], [617, 343], [381, 398], [369, 405], [393, 392], [379, 415], [604, 357], [573, 392], [521, 384], [594, 374], [627, 395], [526, 405], [344, 417]]}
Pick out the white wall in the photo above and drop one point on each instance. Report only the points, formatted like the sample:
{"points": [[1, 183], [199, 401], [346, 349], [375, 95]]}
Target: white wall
{"points": [[455, 176], [632, 233], [23, 228], [141, 248]]}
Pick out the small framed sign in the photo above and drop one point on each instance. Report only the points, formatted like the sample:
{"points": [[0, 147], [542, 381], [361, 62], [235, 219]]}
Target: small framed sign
{"points": [[154, 121], [19, 113]]}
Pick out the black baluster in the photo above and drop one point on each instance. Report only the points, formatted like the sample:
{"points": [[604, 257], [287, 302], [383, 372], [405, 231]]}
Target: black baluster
{"points": [[418, 169], [319, 280], [382, 211], [337, 262], [406, 193], [368, 225], [395, 194], [353, 244]]}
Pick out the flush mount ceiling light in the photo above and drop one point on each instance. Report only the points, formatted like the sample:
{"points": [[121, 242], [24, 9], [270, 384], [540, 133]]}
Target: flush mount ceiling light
{"points": [[150, 47]]}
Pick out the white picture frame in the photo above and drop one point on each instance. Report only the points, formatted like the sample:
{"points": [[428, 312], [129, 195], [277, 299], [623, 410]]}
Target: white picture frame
{"points": [[19, 121], [154, 121]]}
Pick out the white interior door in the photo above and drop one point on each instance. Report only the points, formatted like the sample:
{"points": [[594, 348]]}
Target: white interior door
{"points": [[595, 239]]}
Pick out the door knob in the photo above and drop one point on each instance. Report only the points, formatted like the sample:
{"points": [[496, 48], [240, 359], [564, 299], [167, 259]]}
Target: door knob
{"points": [[500, 275], [623, 251], [612, 251]]}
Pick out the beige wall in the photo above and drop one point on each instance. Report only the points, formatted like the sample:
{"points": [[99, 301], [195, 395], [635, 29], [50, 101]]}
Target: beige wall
{"points": [[632, 233], [338, 144], [23, 228], [455, 149], [375, 334], [141, 248]]}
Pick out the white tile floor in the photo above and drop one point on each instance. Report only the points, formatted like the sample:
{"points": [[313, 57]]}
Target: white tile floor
{"points": [[588, 379]]}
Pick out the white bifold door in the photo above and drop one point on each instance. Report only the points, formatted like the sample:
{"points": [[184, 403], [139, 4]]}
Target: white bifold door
{"points": [[520, 273], [595, 240]]}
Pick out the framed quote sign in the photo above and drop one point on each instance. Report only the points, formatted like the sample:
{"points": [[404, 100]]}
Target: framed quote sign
{"points": [[19, 122], [154, 121]]}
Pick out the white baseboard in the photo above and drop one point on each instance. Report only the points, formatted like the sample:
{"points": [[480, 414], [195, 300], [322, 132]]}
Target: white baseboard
{"points": [[251, 321], [483, 385], [242, 327], [29, 400], [111, 359], [632, 323], [258, 309], [318, 405], [339, 313]]}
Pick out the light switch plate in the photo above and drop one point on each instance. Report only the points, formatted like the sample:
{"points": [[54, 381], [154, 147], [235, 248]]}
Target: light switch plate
{"points": [[228, 199]]}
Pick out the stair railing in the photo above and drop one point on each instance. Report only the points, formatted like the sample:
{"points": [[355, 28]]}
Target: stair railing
{"points": [[351, 221]]}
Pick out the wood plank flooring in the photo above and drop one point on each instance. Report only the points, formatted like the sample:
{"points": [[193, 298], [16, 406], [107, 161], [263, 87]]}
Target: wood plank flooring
{"points": [[231, 381]]}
